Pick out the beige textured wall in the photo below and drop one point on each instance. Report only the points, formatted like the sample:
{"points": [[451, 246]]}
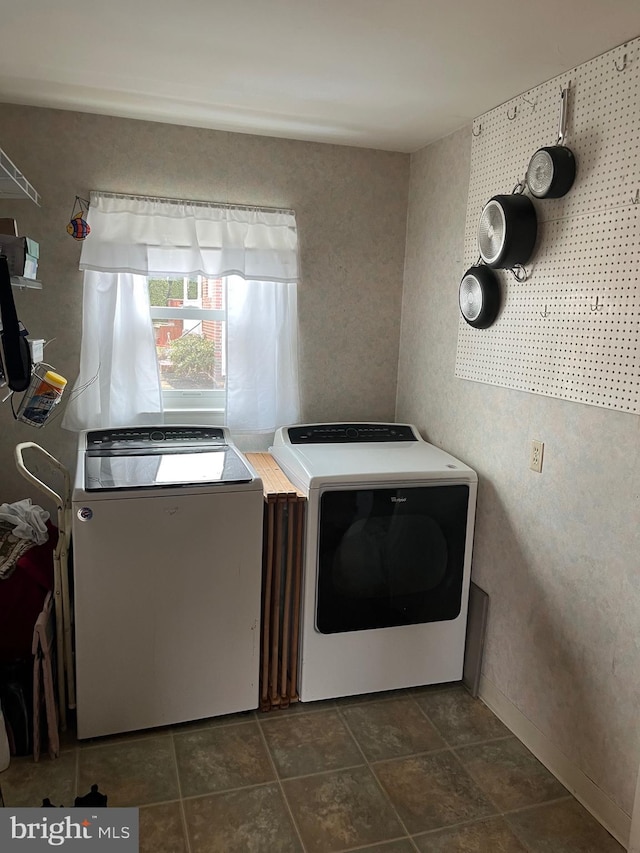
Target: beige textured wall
{"points": [[351, 213], [558, 552]]}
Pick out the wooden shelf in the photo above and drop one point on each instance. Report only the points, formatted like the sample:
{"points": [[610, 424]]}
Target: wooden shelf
{"points": [[275, 483]]}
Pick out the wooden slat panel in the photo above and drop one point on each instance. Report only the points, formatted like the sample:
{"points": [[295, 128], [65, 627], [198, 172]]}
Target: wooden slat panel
{"points": [[286, 613], [275, 605], [282, 575], [299, 516], [267, 574]]}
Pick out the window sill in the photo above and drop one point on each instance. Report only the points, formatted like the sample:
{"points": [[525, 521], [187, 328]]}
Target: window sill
{"points": [[201, 409], [194, 417]]}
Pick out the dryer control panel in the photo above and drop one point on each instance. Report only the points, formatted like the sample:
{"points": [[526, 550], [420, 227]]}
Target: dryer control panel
{"points": [[349, 433]]}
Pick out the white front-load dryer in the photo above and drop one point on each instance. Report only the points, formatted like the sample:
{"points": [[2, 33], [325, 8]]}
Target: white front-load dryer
{"points": [[387, 560]]}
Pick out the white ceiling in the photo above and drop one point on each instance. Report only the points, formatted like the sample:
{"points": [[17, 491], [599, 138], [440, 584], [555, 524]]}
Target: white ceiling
{"points": [[389, 74]]}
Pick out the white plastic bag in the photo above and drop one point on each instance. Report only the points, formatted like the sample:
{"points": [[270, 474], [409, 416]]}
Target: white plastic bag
{"points": [[29, 520]]}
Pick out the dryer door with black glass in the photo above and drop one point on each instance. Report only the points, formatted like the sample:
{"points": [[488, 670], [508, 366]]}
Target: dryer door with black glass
{"points": [[390, 556]]}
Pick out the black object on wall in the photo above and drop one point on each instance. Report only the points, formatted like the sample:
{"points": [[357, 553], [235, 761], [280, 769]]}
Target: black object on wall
{"points": [[479, 297], [552, 170], [507, 231], [16, 355]]}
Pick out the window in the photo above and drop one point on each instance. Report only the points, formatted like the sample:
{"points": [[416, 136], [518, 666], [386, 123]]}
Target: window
{"points": [[189, 318], [221, 324]]}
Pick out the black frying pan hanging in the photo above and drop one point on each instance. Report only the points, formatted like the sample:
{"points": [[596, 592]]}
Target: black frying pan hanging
{"points": [[479, 297], [507, 231], [552, 170]]}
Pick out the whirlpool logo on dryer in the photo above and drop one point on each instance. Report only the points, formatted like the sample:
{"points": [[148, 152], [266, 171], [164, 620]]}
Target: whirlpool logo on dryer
{"points": [[398, 500]]}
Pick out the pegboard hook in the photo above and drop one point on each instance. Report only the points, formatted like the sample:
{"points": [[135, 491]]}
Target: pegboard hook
{"points": [[564, 105], [473, 131], [544, 313], [519, 272], [532, 104], [635, 199], [597, 306], [624, 63], [515, 113]]}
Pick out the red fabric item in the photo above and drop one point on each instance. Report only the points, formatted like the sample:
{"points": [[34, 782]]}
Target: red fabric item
{"points": [[22, 598]]}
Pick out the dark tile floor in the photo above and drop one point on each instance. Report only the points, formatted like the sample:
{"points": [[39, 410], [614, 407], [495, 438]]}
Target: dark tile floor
{"points": [[429, 770]]}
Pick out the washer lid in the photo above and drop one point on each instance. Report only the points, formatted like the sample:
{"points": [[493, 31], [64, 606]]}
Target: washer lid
{"points": [[105, 471]]}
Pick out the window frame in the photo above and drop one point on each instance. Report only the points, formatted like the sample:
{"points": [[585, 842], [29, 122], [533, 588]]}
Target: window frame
{"points": [[195, 402]]}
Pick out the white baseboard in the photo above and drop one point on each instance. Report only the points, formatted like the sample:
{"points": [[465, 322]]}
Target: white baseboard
{"points": [[602, 807]]}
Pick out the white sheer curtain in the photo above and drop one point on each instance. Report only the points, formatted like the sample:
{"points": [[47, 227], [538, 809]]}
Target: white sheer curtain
{"points": [[132, 238], [262, 373], [118, 364]]}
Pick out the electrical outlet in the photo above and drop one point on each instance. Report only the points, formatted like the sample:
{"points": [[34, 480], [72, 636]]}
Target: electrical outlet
{"points": [[535, 457]]}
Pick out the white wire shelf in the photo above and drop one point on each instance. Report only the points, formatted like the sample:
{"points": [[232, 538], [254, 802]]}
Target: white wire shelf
{"points": [[13, 183], [22, 282]]}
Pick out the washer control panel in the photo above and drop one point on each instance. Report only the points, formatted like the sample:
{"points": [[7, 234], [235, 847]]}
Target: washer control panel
{"points": [[129, 437], [349, 433]]}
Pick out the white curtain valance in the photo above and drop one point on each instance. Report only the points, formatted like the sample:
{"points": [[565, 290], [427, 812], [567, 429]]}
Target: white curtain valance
{"points": [[154, 236]]}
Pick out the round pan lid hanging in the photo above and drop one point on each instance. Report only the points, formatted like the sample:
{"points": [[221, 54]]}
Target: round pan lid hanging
{"points": [[479, 297], [507, 231], [552, 170]]}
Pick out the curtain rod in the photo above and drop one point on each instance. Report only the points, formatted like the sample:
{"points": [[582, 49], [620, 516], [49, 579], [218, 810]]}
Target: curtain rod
{"points": [[224, 204]]}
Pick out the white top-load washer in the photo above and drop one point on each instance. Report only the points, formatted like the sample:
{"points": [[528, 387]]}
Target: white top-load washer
{"points": [[167, 539], [387, 556]]}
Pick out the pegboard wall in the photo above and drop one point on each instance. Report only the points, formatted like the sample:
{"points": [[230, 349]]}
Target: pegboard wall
{"points": [[572, 329]]}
